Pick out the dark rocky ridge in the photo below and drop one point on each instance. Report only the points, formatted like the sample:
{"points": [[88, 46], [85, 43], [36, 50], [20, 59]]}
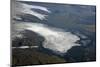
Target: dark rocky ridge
{"points": [[29, 38]]}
